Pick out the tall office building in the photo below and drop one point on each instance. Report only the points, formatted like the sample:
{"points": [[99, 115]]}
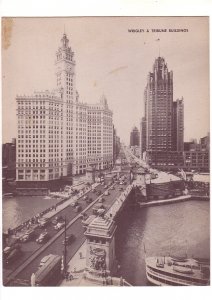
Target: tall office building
{"points": [[158, 98], [135, 137], [162, 126], [57, 135], [178, 125]]}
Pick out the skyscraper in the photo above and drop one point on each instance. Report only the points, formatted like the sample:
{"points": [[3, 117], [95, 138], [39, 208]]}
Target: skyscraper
{"points": [[162, 126], [134, 137], [57, 134], [158, 98], [178, 125]]}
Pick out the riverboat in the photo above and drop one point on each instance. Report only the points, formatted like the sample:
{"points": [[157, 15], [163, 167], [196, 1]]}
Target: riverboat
{"points": [[177, 271]]}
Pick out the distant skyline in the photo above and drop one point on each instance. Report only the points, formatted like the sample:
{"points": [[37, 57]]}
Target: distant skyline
{"points": [[110, 60]]}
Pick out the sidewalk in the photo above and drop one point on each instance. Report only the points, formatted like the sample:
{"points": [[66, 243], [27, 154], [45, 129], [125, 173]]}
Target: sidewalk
{"points": [[76, 267]]}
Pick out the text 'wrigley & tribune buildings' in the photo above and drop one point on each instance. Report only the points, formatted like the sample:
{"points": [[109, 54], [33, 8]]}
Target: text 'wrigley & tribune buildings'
{"points": [[59, 136]]}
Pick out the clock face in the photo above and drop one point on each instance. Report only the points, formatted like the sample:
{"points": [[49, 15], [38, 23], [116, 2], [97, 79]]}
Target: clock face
{"points": [[68, 68]]}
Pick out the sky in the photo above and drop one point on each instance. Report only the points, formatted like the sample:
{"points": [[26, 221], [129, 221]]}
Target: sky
{"points": [[110, 60]]}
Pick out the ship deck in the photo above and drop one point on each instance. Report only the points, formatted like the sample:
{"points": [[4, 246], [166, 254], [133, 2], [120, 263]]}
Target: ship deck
{"points": [[189, 268]]}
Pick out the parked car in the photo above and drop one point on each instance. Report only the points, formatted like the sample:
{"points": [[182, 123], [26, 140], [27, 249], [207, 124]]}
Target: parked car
{"points": [[44, 236], [68, 240], [59, 225], [99, 193]]}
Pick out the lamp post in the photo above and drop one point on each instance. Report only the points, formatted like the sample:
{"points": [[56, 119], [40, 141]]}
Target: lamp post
{"points": [[65, 250]]}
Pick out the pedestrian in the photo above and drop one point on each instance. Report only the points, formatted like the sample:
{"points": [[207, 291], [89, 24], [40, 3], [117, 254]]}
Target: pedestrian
{"points": [[55, 207], [80, 255]]}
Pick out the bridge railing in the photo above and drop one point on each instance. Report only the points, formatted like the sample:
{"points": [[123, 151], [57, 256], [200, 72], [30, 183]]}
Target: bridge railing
{"points": [[119, 202]]}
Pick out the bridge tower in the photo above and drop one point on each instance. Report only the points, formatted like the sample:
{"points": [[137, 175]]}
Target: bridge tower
{"points": [[100, 247], [140, 183]]}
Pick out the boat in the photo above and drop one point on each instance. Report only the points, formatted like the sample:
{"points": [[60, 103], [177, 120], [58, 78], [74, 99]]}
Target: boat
{"points": [[176, 271]]}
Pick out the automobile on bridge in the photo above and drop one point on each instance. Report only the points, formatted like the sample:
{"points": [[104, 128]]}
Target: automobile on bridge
{"points": [[68, 240], [59, 225], [28, 235], [44, 236]]}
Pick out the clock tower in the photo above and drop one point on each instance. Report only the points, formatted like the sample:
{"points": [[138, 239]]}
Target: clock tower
{"points": [[65, 70]]}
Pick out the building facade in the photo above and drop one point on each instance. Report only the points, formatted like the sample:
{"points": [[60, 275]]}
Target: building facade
{"points": [[9, 159], [135, 137], [59, 136], [178, 125], [158, 99], [162, 127]]}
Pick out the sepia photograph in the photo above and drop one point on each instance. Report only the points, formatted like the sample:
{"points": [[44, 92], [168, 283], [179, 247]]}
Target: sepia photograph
{"points": [[105, 151]]}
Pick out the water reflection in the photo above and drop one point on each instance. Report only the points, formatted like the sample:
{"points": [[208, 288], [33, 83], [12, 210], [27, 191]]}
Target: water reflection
{"points": [[17, 210], [176, 229]]}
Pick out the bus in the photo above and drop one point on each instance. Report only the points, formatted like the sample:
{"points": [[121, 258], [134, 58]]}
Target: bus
{"points": [[50, 272]]}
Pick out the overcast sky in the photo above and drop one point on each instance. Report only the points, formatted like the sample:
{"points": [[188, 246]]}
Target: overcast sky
{"points": [[111, 61]]}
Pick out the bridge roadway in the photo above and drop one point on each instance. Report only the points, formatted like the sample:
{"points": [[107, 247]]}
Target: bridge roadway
{"points": [[33, 253]]}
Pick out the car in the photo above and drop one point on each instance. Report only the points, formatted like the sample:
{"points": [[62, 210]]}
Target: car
{"points": [[85, 198], [101, 200], [94, 190], [78, 208], [106, 186], [43, 222], [57, 219], [44, 236], [27, 235], [96, 207], [83, 216], [68, 240], [59, 225], [101, 211], [113, 187], [7, 250], [99, 193], [106, 193], [121, 189], [74, 203]]}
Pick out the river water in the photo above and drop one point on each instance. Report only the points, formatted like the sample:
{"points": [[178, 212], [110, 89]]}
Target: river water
{"points": [[176, 228], [17, 210]]}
